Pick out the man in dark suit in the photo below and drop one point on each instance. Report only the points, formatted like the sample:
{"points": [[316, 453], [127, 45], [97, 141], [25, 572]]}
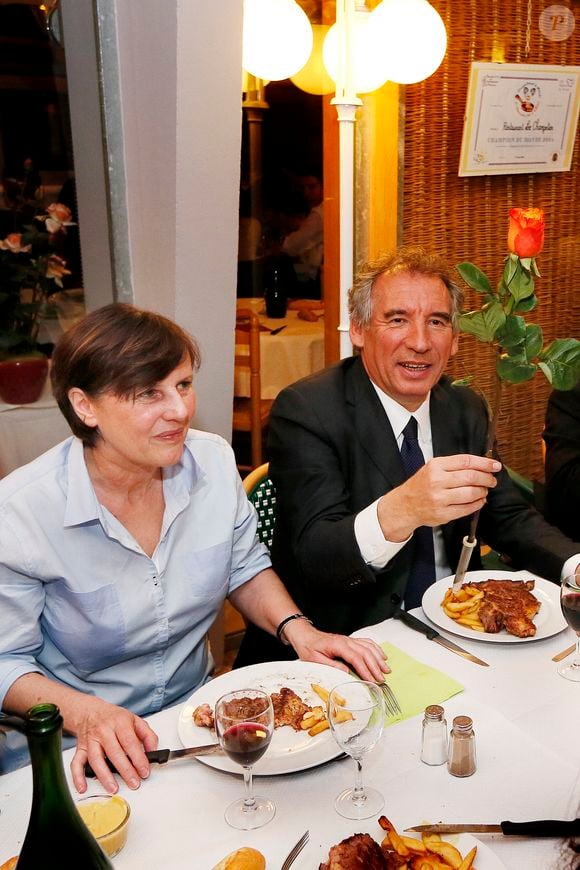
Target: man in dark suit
{"points": [[562, 437], [361, 530]]}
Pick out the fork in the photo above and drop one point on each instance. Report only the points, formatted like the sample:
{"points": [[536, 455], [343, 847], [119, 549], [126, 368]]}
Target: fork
{"points": [[391, 704], [293, 854]]}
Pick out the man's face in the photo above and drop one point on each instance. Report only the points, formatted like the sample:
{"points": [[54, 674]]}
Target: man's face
{"points": [[410, 338]]}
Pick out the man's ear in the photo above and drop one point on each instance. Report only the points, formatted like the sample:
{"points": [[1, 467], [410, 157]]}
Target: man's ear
{"points": [[356, 335], [82, 406]]}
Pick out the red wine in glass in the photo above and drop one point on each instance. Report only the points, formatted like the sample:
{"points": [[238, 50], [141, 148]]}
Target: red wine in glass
{"points": [[571, 610], [246, 743], [245, 723], [570, 601]]}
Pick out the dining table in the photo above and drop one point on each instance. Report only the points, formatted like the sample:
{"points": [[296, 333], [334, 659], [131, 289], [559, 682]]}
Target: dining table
{"points": [[525, 718], [290, 348]]}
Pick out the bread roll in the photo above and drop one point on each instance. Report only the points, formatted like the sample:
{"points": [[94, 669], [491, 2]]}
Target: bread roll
{"points": [[10, 864], [242, 859]]}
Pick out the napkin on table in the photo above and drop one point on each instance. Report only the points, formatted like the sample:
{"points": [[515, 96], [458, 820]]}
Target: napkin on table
{"points": [[415, 684]]}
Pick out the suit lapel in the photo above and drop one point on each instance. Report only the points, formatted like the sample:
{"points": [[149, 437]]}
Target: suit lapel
{"points": [[372, 425], [444, 436]]}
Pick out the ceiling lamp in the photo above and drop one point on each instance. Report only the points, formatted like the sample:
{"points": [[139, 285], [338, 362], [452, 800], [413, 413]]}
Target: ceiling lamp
{"points": [[412, 36], [313, 77], [277, 38], [369, 62]]}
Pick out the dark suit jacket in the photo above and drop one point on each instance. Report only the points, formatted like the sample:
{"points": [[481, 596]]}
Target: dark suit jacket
{"points": [[332, 452], [562, 437]]}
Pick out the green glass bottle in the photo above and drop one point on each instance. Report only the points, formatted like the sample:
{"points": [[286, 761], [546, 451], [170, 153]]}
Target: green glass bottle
{"points": [[56, 837]]}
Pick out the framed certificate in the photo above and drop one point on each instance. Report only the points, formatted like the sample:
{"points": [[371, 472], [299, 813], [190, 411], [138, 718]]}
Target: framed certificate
{"points": [[519, 118]]}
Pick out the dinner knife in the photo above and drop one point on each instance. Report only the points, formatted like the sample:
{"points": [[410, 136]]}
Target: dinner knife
{"points": [[162, 756], [564, 654], [542, 828], [431, 634]]}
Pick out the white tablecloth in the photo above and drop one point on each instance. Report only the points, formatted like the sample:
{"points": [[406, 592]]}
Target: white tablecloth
{"points": [[26, 431], [526, 723], [294, 353]]}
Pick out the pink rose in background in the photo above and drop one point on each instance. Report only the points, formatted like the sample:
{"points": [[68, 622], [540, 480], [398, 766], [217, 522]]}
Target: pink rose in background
{"points": [[13, 243], [58, 215], [55, 268]]}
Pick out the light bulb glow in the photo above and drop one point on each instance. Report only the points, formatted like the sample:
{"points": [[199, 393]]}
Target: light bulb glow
{"points": [[277, 38], [412, 36], [369, 65], [313, 77]]}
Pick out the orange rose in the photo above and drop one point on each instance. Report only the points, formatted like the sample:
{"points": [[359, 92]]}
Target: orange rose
{"points": [[13, 243], [526, 231], [58, 214]]}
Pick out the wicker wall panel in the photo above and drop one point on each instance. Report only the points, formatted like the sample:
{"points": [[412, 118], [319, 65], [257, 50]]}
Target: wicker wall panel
{"points": [[466, 218]]}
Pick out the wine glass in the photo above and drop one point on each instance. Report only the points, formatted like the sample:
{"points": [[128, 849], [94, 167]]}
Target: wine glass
{"points": [[570, 601], [356, 715], [245, 723]]}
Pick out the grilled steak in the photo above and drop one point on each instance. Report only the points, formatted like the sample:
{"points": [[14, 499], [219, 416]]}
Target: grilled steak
{"points": [[508, 604], [289, 709], [359, 852]]}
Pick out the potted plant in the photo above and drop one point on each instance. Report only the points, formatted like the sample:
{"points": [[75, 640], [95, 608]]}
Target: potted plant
{"points": [[516, 345], [30, 272]]}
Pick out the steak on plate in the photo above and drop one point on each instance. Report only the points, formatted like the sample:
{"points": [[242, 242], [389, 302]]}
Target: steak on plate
{"points": [[359, 852], [508, 604], [289, 709]]}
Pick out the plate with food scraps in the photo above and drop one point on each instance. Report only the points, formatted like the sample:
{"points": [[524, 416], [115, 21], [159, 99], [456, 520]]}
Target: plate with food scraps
{"points": [[316, 854], [290, 750], [548, 620]]}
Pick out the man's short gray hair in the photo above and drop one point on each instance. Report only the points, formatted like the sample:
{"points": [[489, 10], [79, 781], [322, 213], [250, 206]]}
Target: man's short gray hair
{"points": [[414, 260]]}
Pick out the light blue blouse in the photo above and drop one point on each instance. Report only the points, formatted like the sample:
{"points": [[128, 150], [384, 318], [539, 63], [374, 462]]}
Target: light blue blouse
{"points": [[81, 602]]}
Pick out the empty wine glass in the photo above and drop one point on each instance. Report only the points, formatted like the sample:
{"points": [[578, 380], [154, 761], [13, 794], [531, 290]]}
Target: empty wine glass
{"points": [[570, 601], [245, 723], [356, 715]]}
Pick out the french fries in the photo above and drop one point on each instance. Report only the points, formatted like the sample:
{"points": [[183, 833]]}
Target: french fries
{"points": [[315, 721], [463, 608], [324, 693], [428, 853]]}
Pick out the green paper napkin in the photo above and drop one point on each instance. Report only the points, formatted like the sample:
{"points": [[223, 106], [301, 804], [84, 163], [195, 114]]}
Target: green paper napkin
{"points": [[415, 684]]}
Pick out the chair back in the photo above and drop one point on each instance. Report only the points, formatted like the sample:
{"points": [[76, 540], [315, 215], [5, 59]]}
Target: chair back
{"points": [[261, 492], [248, 414]]}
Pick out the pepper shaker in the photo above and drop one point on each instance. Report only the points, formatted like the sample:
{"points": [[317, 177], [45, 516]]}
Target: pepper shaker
{"points": [[462, 759], [434, 736]]}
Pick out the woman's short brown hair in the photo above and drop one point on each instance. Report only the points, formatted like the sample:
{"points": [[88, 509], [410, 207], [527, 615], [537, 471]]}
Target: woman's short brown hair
{"points": [[117, 349]]}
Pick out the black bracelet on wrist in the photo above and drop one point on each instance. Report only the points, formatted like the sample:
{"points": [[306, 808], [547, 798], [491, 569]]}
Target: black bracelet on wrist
{"points": [[284, 623]]}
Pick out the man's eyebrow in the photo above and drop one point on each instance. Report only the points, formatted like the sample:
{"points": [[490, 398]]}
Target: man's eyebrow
{"points": [[397, 312]]}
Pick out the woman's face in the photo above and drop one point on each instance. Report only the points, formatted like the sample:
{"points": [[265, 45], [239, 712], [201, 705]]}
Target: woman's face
{"points": [[146, 430]]}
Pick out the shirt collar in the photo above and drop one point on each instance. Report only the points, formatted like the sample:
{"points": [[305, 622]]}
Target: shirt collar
{"points": [[82, 505], [400, 416]]}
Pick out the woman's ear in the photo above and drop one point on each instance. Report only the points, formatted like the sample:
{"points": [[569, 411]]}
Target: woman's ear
{"points": [[82, 406]]}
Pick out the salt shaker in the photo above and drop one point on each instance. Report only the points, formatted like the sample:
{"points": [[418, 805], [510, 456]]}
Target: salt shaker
{"points": [[434, 736], [461, 761]]}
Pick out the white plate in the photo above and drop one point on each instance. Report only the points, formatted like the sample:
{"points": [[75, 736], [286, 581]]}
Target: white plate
{"points": [[484, 860], [289, 751], [548, 621]]}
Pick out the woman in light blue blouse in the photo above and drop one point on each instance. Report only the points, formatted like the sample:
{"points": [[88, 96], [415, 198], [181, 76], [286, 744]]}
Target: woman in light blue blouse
{"points": [[119, 546]]}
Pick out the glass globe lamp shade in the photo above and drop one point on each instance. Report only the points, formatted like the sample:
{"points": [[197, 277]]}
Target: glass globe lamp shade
{"points": [[412, 36], [277, 38], [369, 63], [313, 77]]}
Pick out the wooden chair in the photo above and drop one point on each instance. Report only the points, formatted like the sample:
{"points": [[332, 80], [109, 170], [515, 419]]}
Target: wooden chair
{"points": [[250, 414]]}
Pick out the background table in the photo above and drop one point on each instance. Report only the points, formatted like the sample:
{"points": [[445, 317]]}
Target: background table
{"points": [[526, 722], [294, 353], [26, 431]]}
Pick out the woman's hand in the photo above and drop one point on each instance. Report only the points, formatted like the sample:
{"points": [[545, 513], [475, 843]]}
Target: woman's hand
{"points": [[363, 655], [102, 729]]}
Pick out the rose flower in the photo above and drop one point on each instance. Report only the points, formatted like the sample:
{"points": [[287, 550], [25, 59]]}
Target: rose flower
{"points": [[526, 231]]}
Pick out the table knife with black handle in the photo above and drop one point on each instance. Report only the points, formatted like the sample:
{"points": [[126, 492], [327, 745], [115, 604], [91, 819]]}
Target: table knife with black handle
{"points": [[540, 828], [162, 756]]}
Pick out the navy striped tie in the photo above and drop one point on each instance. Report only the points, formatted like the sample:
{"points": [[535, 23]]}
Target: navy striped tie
{"points": [[422, 573]]}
